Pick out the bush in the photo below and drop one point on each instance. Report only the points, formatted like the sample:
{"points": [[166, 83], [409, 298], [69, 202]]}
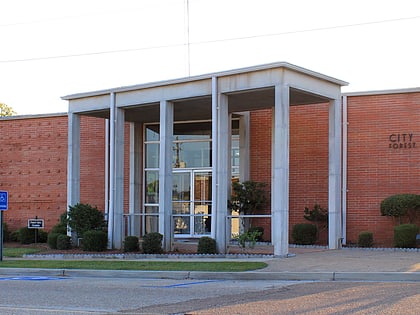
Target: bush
{"points": [[52, 240], [131, 244], [249, 238], [365, 239], [152, 243], [405, 235], [259, 234], [14, 236], [59, 228], [63, 242], [26, 235], [206, 245], [304, 234], [401, 205], [6, 232], [42, 236], [317, 215], [84, 217], [95, 241]]}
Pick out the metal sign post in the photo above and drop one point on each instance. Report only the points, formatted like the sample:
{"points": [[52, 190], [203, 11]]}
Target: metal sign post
{"points": [[36, 224], [4, 205]]}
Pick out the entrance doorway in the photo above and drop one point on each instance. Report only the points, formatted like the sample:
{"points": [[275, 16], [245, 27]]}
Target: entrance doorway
{"points": [[191, 203]]}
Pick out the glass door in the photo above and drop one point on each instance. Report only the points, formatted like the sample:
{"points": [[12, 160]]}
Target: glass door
{"points": [[202, 203], [191, 203], [181, 202]]}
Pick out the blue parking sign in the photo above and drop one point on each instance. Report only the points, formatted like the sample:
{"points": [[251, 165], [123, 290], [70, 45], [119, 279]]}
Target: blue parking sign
{"points": [[4, 200]]}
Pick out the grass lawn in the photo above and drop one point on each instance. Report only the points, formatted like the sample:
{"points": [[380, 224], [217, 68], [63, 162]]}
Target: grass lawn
{"points": [[216, 266], [19, 251], [157, 265]]}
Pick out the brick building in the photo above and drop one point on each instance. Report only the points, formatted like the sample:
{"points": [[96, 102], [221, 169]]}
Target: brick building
{"points": [[377, 155]]}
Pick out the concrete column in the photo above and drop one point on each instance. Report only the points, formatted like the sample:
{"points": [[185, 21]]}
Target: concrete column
{"points": [[334, 175], [106, 179], [280, 172], [222, 171], [135, 181], [73, 161], [116, 174], [165, 173], [119, 180], [214, 149]]}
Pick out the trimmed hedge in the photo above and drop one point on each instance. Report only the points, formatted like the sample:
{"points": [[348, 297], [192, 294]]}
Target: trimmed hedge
{"points": [[304, 234], [63, 242], [206, 245], [84, 217], [95, 241], [152, 243], [52, 240], [400, 205], [27, 236], [365, 239], [405, 235], [131, 244]]}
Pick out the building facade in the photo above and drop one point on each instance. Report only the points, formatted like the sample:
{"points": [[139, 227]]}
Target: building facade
{"points": [[161, 157]]}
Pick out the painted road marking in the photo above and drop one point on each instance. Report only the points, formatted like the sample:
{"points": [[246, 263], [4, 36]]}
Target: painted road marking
{"points": [[29, 278], [185, 284]]}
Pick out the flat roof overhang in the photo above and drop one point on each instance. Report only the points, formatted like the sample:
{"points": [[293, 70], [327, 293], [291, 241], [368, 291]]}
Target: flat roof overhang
{"points": [[247, 89]]}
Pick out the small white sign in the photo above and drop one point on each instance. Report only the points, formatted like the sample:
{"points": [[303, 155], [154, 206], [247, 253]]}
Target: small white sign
{"points": [[35, 223]]}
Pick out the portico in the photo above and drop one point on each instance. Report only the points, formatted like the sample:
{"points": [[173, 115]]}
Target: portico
{"points": [[201, 110]]}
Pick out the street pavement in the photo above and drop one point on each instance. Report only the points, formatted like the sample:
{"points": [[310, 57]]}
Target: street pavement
{"points": [[347, 264]]}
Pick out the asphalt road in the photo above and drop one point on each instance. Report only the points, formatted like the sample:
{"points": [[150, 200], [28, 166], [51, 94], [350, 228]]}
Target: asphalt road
{"points": [[51, 295]]}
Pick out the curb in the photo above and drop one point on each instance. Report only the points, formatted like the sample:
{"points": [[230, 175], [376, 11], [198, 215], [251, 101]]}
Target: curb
{"points": [[202, 275]]}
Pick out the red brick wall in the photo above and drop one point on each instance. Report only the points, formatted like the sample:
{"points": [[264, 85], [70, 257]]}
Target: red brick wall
{"points": [[260, 159], [308, 162], [308, 159], [376, 171], [33, 168], [92, 161]]}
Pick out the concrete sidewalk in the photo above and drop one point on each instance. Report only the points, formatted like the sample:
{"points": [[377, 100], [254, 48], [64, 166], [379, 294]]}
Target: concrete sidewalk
{"points": [[348, 264], [302, 264]]}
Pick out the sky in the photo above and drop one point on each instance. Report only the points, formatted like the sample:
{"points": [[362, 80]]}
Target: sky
{"points": [[52, 48]]}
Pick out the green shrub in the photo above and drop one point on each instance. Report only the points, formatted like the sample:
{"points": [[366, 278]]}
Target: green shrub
{"points": [[152, 243], [405, 235], [401, 205], [26, 235], [259, 234], [6, 232], [365, 239], [59, 228], [317, 215], [131, 244], [206, 245], [83, 217], [42, 236], [304, 234], [249, 238], [95, 241], [14, 236], [52, 240], [63, 242]]}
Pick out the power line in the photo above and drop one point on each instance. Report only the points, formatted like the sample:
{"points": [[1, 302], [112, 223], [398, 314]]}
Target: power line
{"points": [[188, 44]]}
